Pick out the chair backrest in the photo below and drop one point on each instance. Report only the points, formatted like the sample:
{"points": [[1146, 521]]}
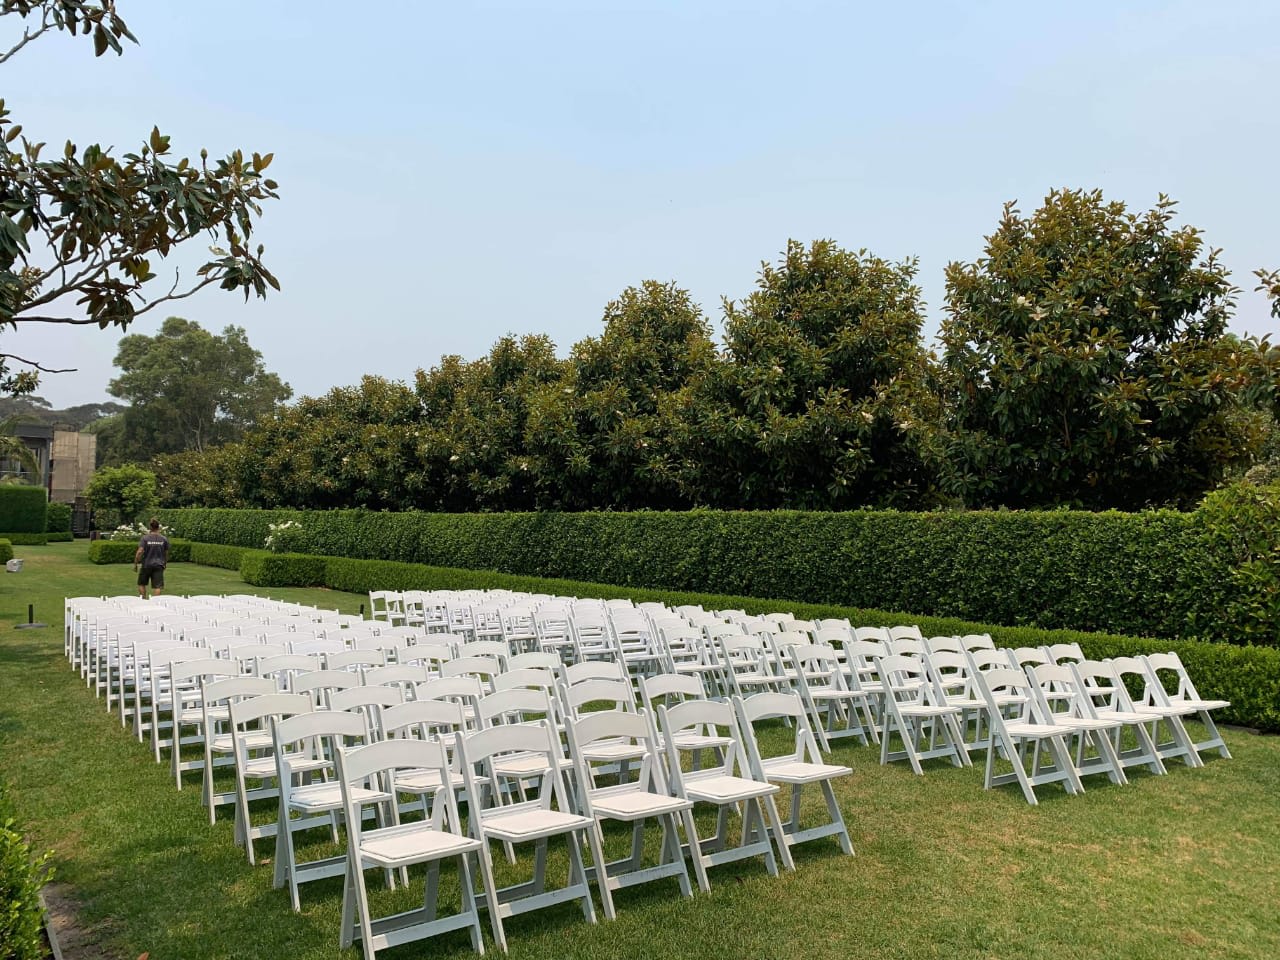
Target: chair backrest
{"points": [[404, 676], [369, 702], [575, 673], [531, 678], [1008, 694], [534, 659], [614, 725], [354, 659], [517, 705], [425, 719], [978, 641], [1160, 665], [704, 717], [982, 659], [905, 678], [281, 668], [317, 645], [1058, 652], [318, 684], [944, 645], [308, 733], [475, 752], [904, 647], [376, 764], [665, 687], [1027, 657], [776, 706], [617, 692], [872, 634]]}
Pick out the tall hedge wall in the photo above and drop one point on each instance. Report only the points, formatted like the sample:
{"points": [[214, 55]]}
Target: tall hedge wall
{"points": [[1158, 573], [23, 509]]}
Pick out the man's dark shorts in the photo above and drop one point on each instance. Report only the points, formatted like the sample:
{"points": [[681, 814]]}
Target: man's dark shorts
{"points": [[153, 576]]}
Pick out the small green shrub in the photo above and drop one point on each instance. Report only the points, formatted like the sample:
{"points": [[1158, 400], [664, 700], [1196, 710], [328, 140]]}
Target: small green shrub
{"points": [[26, 539], [23, 509], [121, 551], [21, 877], [59, 536], [6, 551], [281, 569], [58, 517]]}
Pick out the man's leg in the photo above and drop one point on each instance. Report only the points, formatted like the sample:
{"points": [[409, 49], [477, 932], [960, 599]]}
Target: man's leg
{"points": [[142, 583], [157, 582]]}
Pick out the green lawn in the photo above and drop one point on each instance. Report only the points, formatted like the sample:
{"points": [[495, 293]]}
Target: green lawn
{"points": [[1186, 865]]}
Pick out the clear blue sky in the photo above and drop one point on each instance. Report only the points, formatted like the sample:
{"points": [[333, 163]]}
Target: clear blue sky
{"points": [[454, 172]]}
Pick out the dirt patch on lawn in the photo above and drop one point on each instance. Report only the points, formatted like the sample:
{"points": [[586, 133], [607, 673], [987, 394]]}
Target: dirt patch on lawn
{"points": [[75, 941]]}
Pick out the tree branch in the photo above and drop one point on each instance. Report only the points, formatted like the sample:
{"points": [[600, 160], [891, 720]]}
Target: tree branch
{"points": [[39, 366], [27, 37]]}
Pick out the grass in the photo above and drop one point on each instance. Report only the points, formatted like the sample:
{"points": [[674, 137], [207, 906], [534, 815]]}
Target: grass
{"points": [[1186, 865]]}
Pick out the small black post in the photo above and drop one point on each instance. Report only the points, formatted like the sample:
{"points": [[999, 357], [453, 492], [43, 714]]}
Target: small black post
{"points": [[31, 619]]}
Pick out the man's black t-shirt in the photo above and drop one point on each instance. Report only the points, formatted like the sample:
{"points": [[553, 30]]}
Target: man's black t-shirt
{"points": [[155, 550]]}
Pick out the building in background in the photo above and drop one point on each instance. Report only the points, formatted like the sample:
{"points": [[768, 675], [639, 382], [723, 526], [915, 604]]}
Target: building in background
{"points": [[65, 459]]}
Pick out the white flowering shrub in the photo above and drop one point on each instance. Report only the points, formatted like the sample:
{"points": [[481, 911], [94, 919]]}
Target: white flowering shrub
{"points": [[286, 537], [135, 531]]}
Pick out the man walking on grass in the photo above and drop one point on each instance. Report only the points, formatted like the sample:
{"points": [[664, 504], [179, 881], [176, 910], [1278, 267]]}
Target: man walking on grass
{"points": [[153, 555]]}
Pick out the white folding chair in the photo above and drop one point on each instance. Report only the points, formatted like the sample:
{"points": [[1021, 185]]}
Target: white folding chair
{"points": [[1016, 723], [647, 797], [252, 742], [302, 745], [494, 815], [802, 766], [728, 784], [927, 726], [836, 709], [1184, 696], [397, 846], [1106, 697]]}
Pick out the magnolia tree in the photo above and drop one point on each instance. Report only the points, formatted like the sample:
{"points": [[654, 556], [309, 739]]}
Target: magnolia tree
{"points": [[82, 230], [1087, 361], [823, 396]]}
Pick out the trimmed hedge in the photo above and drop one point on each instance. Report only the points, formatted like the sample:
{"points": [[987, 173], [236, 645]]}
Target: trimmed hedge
{"points": [[6, 551], [217, 555], [123, 551], [59, 536], [1157, 573], [23, 509], [264, 569], [1248, 676], [26, 539], [58, 517]]}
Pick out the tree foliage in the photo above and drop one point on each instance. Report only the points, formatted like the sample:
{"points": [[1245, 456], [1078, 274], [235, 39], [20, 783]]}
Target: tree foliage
{"points": [[80, 231], [1086, 360], [189, 389], [823, 398], [604, 435], [121, 494]]}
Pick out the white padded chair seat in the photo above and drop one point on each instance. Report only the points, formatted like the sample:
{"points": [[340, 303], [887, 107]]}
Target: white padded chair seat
{"points": [[636, 804], [411, 843], [425, 781], [254, 741], [1037, 731], [525, 765], [318, 797], [799, 771], [531, 824], [726, 789]]}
